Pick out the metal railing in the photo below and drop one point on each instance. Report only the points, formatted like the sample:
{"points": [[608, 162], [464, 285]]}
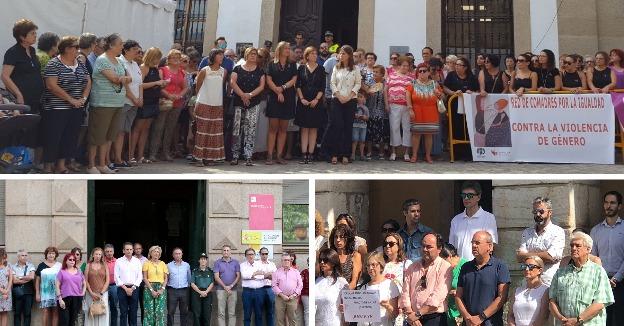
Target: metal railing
{"points": [[619, 132]]}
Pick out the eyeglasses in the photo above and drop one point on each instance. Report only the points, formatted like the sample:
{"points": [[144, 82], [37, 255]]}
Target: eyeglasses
{"points": [[528, 266], [422, 71], [75, 46], [423, 282], [264, 253], [467, 195], [539, 211], [389, 244], [387, 230], [249, 254], [372, 265]]}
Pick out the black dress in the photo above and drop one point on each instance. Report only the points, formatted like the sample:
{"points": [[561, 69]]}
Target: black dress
{"points": [[310, 83], [494, 84], [571, 80], [546, 77], [525, 83], [281, 75], [601, 78], [26, 75], [454, 83]]}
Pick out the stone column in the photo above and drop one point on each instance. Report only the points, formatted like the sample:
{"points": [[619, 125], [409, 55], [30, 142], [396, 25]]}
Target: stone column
{"points": [[210, 25], [366, 30], [609, 17], [522, 26], [434, 26], [269, 22], [334, 197], [578, 26]]}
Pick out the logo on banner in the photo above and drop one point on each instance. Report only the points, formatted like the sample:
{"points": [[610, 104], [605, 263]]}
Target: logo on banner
{"points": [[481, 152]]}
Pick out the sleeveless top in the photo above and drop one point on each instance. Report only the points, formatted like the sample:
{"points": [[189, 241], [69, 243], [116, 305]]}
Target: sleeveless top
{"points": [[571, 80], [211, 92], [546, 77], [152, 94], [527, 303], [97, 278], [346, 269], [619, 79], [522, 82], [602, 78], [494, 84]]}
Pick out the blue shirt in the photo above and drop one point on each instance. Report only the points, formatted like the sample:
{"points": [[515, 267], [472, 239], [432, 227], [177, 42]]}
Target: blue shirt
{"points": [[413, 242], [480, 287], [179, 275]]}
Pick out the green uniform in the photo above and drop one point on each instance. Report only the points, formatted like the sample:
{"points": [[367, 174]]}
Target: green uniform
{"points": [[201, 307]]}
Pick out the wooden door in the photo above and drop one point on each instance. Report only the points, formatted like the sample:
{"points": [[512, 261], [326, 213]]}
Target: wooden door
{"points": [[301, 15]]}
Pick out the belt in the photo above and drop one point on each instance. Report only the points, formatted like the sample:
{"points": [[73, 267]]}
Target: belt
{"points": [[171, 287], [267, 287], [251, 289]]}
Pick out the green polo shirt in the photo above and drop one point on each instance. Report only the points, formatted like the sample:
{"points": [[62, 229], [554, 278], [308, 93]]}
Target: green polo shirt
{"points": [[202, 279]]}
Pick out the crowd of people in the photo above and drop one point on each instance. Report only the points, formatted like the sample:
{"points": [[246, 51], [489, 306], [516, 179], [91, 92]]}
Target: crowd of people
{"points": [[103, 290], [106, 104], [425, 280]]}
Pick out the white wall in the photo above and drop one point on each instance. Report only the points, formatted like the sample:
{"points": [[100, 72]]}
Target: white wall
{"points": [[542, 14], [239, 21], [399, 23]]}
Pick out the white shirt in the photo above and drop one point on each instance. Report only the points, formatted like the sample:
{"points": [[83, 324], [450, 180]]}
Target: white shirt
{"points": [[211, 91], [327, 299], [128, 272], [268, 267], [249, 281], [387, 290], [134, 71], [463, 227], [344, 81], [527, 303], [551, 240]]}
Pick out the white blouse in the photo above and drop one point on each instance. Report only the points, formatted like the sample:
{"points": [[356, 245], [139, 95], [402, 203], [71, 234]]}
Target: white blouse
{"points": [[327, 299], [211, 91], [527, 303], [344, 81]]}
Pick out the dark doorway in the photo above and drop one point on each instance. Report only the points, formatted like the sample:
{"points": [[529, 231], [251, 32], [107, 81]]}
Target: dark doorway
{"points": [[341, 17], [165, 213]]}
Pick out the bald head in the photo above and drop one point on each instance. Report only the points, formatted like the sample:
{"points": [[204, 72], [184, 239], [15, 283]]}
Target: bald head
{"points": [[483, 236], [482, 245]]}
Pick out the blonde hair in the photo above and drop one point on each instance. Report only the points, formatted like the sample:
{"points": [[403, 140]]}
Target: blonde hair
{"points": [[152, 249], [281, 46], [537, 260], [308, 51], [248, 52], [173, 53], [152, 57], [377, 257]]}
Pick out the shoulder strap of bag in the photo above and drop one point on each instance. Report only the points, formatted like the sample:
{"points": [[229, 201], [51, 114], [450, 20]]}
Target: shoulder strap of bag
{"points": [[495, 80]]}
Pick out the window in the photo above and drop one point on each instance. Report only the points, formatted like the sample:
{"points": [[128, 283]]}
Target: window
{"points": [[190, 17], [295, 212]]}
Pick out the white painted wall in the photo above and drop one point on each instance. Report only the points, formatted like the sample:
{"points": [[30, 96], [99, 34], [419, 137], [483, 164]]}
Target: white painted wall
{"points": [[399, 23], [239, 21], [542, 14]]}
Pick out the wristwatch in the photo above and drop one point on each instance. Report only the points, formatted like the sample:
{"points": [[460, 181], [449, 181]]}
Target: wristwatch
{"points": [[482, 316], [579, 320], [418, 314]]}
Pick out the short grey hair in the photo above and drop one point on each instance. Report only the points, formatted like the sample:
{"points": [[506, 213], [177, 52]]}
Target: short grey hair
{"points": [[578, 235], [451, 57], [543, 200], [108, 245], [86, 40]]}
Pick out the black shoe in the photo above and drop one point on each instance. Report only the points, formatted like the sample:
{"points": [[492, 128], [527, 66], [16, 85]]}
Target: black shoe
{"points": [[304, 158]]}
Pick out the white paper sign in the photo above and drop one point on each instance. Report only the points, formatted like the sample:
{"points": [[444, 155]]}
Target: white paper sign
{"points": [[361, 305]]}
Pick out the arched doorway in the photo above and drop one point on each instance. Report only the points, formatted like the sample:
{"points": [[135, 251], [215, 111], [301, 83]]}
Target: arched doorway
{"points": [[471, 27]]}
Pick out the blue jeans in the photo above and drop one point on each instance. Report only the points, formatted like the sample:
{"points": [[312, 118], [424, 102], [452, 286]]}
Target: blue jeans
{"points": [[112, 304], [128, 306], [268, 305], [252, 302]]}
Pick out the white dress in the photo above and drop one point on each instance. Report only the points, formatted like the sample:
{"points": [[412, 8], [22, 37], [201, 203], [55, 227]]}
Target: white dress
{"points": [[387, 290], [394, 272], [327, 300], [527, 302]]}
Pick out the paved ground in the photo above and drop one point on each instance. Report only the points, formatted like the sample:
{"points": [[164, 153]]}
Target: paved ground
{"points": [[181, 166]]}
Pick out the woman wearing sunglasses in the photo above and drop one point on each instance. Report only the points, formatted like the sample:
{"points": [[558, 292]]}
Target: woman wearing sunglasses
{"points": [[530, 303], [328, 287], [522, 78], [389, 292], [572, 79], [70, 289], [395, 259]]}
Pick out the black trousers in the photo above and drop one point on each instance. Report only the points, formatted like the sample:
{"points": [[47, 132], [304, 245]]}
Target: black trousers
{"points": [[177, 297], [339, 131], [22, 308], [67, 316], [59, 133], [615, 312], [202, 308]]}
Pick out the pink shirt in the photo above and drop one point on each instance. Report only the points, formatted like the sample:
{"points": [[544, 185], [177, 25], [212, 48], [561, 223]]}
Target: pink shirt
{"points": [[397, 85], [438, 284], [111, 269], [287, 282]]}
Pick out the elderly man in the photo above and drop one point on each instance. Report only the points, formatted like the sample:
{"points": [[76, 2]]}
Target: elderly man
{"points": [[23, 288], [178, 287], [580, 291], [483, 285], [427, 283], [287, 286], [545, 239]]}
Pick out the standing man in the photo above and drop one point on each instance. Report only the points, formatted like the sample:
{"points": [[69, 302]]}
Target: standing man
{"points": [[287, 286], [113, 302], [267, 298], [128, 277], [202, 283], [138, 253], [23, 283], [580, 291], [545, 240], [427, 284], [427, 53], [227, 274], [252, 288], [413, 231], [483, 285], [472, 219], [178, 287], [608, 237], [329, 39]]}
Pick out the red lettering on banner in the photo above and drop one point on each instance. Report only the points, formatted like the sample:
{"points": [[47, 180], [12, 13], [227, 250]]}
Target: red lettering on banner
{"points": [[527, 127], [584, 127], [568, 141]]}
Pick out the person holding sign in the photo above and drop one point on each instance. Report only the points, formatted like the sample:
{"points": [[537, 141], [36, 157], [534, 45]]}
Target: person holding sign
{"points": [[388, 290], [427, 283], [328, 287]]}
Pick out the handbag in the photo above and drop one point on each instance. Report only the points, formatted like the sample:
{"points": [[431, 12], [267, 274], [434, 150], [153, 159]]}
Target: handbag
{"points": [[441, 107], [97, 308], [19, 291], [165, 105]]}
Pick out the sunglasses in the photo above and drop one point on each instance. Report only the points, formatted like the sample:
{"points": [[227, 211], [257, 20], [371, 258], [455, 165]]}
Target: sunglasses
{"points": [[422, 71], [468, 195], [528, 266], [423, 282], [71, 259], [388, 230], [389, 244], [264, 253], [538, 211], [323, 261]]}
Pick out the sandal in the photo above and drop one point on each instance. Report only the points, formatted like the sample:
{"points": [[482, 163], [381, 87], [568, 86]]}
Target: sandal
{"points": [[428, 159], [269, 162], [281, 161], [304, 159], [334, 160], [133, 161], [414, 159]]}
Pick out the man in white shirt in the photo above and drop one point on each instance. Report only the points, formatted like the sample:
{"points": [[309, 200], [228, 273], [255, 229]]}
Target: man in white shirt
{"points": [[128, 277], [544, 240], [473, 219], [267, 299], [253, 281]]}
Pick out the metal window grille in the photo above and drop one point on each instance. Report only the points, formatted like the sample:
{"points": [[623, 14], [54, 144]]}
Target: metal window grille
{"points": [[190, 17]]}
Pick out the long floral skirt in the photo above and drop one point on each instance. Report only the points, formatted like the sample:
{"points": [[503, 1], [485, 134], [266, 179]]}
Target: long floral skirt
{"points": [[155, 309]]}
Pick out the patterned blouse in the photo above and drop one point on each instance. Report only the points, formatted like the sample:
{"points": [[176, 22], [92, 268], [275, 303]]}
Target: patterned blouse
{"points": [[397, 85]]}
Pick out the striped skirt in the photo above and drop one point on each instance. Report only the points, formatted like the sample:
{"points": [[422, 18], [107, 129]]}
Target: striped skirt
{"points": [[209, 133]]}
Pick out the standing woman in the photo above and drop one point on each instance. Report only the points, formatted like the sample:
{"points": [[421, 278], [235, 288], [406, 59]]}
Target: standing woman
{"points": [[311, 113], [510, 66], [164, 127], [6, 282], [617, 65], [343, 241], [394, 63], [572, 79], [47, 48], [549, 78], [98, 279], [479, 64], [108, 95], [247, 81], [328, 287], [522, 78], [422, 100], [449, 253], [491, 79], [530, 303], [281, 77], [394, 257], [209, 111], [70, 289], [346, 81], [155, 274], [601, 79], [45, 286], [67, 87], [396, 106], [151, 86]]}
